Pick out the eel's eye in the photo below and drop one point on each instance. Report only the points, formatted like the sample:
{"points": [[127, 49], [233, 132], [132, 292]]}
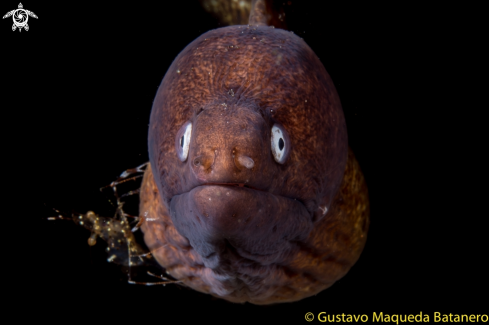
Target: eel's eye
{"points": [[182, 141], [280, 143]]}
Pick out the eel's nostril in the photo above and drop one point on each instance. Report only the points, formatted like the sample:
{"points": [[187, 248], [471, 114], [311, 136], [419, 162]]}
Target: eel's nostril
{"points": [[203, 161]]}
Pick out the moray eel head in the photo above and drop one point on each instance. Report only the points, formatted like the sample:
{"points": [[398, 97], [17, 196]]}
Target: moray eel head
{"points": [[248, 148]]}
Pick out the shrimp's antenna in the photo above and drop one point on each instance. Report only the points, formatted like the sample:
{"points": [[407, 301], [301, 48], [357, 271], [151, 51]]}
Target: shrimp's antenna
{"points": [[123, 178], [60, 216], [163, 283]]}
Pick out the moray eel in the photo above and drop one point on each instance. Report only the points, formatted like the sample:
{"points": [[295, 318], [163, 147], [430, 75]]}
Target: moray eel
{"points": [[252, 194]]}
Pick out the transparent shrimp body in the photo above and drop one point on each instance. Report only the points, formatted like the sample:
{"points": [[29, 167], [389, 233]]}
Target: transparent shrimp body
{"points": [[118, 232]]}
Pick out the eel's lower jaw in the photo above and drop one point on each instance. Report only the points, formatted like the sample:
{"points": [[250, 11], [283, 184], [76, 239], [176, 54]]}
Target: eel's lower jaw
{"points": [[259, 225]]}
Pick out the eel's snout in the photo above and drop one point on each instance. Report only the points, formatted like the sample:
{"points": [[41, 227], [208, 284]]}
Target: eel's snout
{"points": [[202, 163], [230, 147], [258, 225]]}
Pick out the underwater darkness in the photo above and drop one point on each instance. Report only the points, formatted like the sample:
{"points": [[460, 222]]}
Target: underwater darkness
{"points": [[79, 92]]}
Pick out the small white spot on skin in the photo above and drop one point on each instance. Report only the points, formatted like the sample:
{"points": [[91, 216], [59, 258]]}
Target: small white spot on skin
{"points": [[246, 161], [209, 199], [324, 209]]}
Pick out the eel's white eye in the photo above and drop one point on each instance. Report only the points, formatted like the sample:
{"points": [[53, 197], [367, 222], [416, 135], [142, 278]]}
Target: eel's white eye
{"points": [[280, 143], [182, 141]]}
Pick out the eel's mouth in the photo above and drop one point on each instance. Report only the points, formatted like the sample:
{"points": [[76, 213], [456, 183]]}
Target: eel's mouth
{"points": [[235, 185], [259, 224], [239, 185]]}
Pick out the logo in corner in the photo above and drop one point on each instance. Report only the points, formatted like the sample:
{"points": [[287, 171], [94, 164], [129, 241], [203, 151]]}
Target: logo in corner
{"points": [[20, 17]]}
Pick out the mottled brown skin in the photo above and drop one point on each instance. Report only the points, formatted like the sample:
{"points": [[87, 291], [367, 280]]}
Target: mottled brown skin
{"points": [[252, 234]]}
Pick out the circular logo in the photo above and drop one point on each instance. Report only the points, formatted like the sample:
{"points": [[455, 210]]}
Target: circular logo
{"points": [[309, 317], [20, 17]]}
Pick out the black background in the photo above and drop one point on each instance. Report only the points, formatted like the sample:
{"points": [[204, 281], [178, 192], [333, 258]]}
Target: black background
{"points": [[77, 91]]}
